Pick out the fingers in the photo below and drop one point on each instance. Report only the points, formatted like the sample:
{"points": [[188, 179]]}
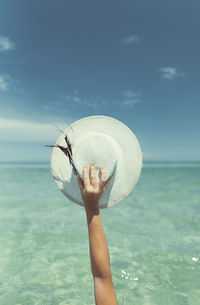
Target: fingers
{"points": [[90, 180], [102, 175], [104, 183], [93, 179], [86, 178]]}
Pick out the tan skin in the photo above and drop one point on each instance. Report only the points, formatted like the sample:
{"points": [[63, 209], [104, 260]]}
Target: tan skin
{"points": [[91, 192]]}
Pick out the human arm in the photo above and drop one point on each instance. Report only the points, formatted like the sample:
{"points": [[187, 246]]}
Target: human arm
{"points": [[91, 192]]}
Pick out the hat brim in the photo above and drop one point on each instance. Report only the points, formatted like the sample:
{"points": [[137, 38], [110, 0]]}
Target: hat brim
{"points": [[129, 163]]}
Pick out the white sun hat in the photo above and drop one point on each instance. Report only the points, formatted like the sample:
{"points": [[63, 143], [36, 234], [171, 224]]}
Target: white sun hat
{"points": [[109, 144]]}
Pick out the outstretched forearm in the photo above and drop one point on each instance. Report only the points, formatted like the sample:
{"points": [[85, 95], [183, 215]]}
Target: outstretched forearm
{"points": [[91, 191], [99, 254]]}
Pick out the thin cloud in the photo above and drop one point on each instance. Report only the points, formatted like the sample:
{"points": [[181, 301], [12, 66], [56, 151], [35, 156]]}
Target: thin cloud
{"points": [[130, 98], [147, 156], [28, 131], [6, 44], [7, 83], [128, 40], [91, 102], [170, 73], [4, 83]]}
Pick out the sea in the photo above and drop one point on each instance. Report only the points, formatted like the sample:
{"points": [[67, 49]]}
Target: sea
{"points": [[153, 237]]}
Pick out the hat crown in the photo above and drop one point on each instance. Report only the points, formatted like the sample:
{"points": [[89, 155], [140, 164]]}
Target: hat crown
{"points": [[96, 147], [111, 144]]}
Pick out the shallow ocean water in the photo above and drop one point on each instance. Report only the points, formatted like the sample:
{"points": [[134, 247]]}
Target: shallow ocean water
{"points": [[153, 238]]}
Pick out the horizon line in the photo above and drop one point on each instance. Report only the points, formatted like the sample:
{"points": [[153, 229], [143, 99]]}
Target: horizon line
{"points": [[144, 161]]}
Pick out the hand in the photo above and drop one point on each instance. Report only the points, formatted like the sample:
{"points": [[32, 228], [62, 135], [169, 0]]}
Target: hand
{"points": [[91, 190]]}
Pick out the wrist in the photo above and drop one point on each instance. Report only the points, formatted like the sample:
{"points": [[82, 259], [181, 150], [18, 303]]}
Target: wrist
{"points": [[91, 207]]}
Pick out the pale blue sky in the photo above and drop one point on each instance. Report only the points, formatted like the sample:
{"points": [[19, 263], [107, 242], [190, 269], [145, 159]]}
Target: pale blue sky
{"points": [[137, 61]]}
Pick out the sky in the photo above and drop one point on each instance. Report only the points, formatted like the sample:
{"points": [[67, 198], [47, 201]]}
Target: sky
{"points": [[134, 60]]}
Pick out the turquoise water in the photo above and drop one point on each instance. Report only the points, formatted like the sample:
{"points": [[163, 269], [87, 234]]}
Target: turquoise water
{"points": [[153, 237]]}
